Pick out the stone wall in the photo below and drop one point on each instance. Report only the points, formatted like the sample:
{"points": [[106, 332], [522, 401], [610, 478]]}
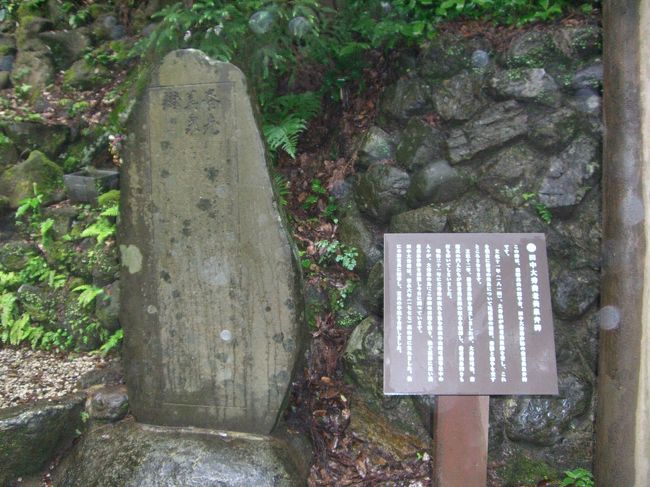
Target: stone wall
{"points": [[476, 139]]}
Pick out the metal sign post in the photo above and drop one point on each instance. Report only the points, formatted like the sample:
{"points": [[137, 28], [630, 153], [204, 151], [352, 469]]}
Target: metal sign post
{"points": [[466, 316]]}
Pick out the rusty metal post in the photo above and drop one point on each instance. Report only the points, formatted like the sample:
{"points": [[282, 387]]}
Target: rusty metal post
{"points": [[461, 441]]}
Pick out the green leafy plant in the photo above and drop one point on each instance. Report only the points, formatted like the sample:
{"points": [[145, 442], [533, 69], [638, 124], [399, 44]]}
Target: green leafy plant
{"points": [[112, 343], [104, 226], [542, 210], [577, 478], [333, 250], [87, 294]]}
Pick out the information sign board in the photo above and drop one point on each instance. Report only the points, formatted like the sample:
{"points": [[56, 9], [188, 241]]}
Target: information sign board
{"points": [[467, 314]]}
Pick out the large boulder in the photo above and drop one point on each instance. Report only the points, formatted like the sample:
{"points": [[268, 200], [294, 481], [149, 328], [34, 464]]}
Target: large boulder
{"points": [[532, 49], [573, 292], [437, 182], [129, 454], [406, 98], [8, 153], [531, 84], [32, 435], [420, 144], [458, 98], [49, 139], [476, 214], [444, 57], [33, 68], [580, 41], [380, 192], [355, 232], [551, 130], [67, 45], [377, 145], [17, 182], [84, 76], [570, 175], [421, 220], [491, 128]]}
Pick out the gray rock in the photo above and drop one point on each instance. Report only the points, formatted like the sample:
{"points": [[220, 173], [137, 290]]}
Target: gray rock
{"points": [[376, 146], [589, 77], [552, 130], [524, 220], [458, 98], [480, 59], [526, 84], [545, 420], [67, 46], [14, 254], [108, 403], [108, 306], [444, 57], [381, 190], [406, 98], [63, 218], [48, 139], [420, 144], [111, 375], [474, 214], [573, 291], [584, 230], [532, 49], [570, 176], [7, 62], [588, 101], [7, 44], [31, 435], [511, 173], [490, 128], [421, 220], [104, 26], [579, 42], [437, 182], [5, 80], [39, 302], [128, 454], [5, 208], [363, 365], [83, 76], [17, 182], [373, 291], [34, 68], [8, 154], [354, 231]]}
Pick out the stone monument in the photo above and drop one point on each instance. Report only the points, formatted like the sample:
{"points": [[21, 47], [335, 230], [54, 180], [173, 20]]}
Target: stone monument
{"points": [[210, 311]]}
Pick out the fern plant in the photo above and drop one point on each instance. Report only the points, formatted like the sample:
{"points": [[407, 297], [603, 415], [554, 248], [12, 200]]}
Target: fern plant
{"points": [[88, 293]]}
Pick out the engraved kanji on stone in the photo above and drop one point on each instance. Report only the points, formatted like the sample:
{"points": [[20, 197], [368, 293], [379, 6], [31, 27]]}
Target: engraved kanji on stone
{"points": [[171, 99]]}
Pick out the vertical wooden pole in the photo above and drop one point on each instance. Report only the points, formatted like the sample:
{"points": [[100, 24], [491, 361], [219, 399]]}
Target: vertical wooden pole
{"points": [[461, 441]]}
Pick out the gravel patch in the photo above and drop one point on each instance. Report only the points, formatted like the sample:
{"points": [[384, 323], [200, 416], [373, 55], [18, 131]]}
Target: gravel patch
{"points": [[30, 375]]}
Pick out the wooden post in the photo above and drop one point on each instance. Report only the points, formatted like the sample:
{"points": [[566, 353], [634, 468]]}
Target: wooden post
{"points": [[461, 441]]}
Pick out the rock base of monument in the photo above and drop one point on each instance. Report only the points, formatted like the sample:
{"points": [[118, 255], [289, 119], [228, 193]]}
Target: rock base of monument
{"points": [[130, 454]]}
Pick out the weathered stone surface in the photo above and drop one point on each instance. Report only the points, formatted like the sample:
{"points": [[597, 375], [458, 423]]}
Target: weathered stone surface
{"points": [[444, 57], [437, 182], [552, 130], [407, 97], [83, 76], [210, 303], [128, 454], [17, 182], [380, 192], [14, 254], [543, 420], [48, 139], [420, 144], [391, 420], [589, 77], [584, 230], [373, 293], [474, 214], [34, 68], [533, 84], [570, 175], [354, 232], [5, 80], [7, 62], [8, 154], [113, 374], [7, 44], [458, 98], [532, 49], [511, 173], [490, 128], [421, 220], [573, 291], [31, 435], [579, 42], [588, 101], [110, 403], [67, 45], [376, 146]]}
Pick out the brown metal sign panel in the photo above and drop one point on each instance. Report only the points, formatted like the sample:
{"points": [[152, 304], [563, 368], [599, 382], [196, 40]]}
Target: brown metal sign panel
{"points": [[467, 314]]}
